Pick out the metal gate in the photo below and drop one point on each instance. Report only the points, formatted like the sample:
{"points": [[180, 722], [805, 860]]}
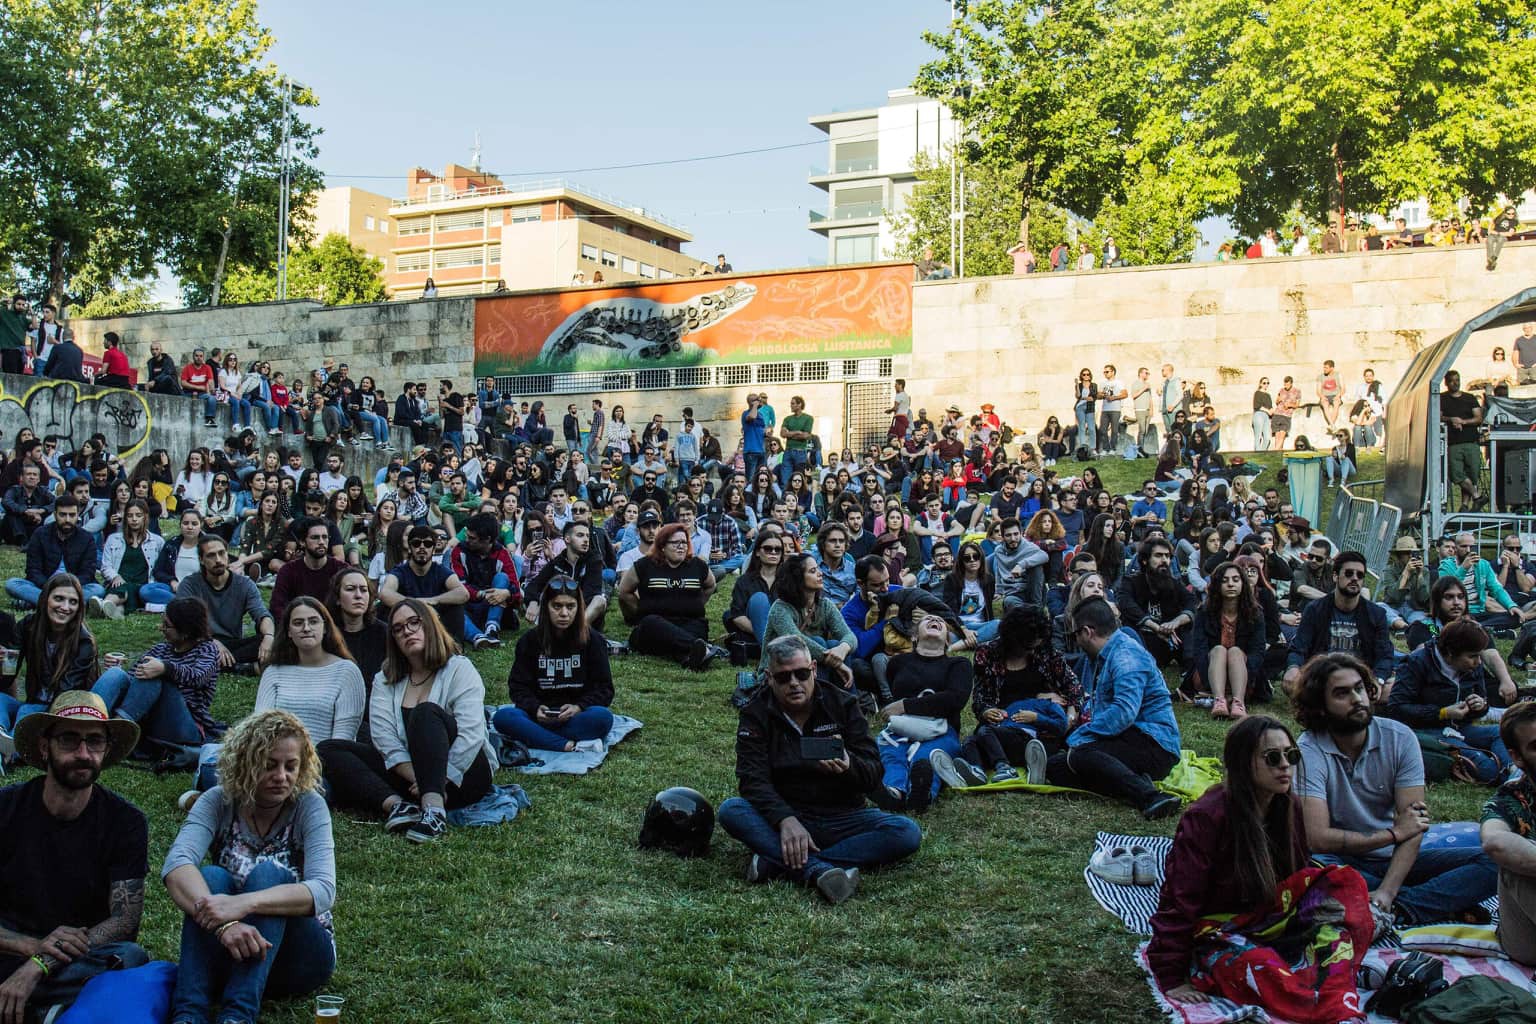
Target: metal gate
{"points": [[864, 417]]}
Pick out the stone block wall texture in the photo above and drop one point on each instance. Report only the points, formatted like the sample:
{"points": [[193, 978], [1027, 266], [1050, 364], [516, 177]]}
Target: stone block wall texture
{"points": [[1015, 341]]}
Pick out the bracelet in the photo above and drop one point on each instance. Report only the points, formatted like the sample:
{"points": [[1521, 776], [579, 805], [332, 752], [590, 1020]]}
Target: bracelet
{"points": [[219, 931], [42, 965], [1393, 833]]}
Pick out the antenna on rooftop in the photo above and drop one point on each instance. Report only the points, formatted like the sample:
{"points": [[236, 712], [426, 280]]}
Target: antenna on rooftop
{"points": [[474, 153]]}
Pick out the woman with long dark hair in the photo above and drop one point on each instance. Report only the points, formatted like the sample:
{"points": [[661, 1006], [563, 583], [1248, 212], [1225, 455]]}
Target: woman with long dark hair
{"points": [[351, 602], [800, 606], [969, 589], [1052, 441], [752, 594], [58, 652], [262, 539], [169, 691], [311, 673], [1227, 642], [1236, 849], [1107, 550], [126, 558], [560, 685]]}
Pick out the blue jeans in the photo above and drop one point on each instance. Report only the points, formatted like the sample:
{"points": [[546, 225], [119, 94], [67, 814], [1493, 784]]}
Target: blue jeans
{"points": [[853, 839], [155, 704], [726, 566], [1481, 737], [1441, 882], [474, 610], [301, 959], [23, 590], [795, 459], [156, 593], [1342, 468], [455, 438], [1261, 434], [1085, 425], [239, 412], [13, 711], [590, 724], [898, 758], [757, 612], [751, 461], [986, 632], [377, 424]]}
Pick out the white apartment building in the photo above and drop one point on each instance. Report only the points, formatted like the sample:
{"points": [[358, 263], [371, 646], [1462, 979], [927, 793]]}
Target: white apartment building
{"points": [[869, 173]]}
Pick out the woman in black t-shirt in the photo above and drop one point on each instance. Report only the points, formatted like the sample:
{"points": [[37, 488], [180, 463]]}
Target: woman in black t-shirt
{"points": [[559, 685], [664, 595]]}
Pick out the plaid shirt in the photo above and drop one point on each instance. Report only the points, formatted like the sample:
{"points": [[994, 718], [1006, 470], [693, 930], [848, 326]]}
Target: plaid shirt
{"points": [[724, 535]]}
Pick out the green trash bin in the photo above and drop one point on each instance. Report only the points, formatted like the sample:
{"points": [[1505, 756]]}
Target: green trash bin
{"points": [[1305, 470]]}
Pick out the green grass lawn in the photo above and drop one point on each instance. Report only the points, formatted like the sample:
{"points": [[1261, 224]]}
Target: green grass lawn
{"points": [[559, 917]]}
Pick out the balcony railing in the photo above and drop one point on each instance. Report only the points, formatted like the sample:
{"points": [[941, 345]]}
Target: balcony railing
{"points": [[849, 211], [860, 165], [532, 187]]}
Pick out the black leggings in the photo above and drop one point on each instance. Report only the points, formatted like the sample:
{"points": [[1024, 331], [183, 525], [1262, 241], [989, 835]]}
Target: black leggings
{"points": [[1123, 767], [667, 638], [990, 746], [358, 778]]}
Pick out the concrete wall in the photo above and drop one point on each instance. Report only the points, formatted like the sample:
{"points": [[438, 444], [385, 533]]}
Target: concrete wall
{"points": [[1015, 341], [1020, 341]]}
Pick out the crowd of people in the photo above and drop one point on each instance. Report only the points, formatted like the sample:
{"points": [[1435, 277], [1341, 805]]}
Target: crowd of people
{"points": [[936, 611]]}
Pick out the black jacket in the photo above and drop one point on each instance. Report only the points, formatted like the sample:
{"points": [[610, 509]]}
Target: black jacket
{"points": [[1423, 688], [65, 362], [46, 551], [937, 687], [1135, 594], [778, 782], [1370, 621], [579, 677]]}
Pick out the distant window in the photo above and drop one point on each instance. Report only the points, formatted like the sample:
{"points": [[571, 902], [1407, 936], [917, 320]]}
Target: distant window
{"points": [[610, 259], [525, 214], [854, 249], [412, 261], [589, 252], [646, 270], [451, 258], [474, 219], [416, 226], [367, 223], [493, 253], [630, 266], [666, 274]]}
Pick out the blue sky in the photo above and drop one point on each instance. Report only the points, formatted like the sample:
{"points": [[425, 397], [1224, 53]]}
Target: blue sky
{"points": [[556, 88]]}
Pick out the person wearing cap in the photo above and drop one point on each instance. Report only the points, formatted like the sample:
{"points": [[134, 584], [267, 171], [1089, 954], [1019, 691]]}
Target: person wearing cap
{"points": [[1405, 585], [646, 526], [75, 856]]}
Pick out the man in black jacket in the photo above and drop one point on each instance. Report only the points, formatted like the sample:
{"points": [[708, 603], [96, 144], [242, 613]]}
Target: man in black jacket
{"points": [[801, 811], [408, 412], [60, 542], [579, 562], [1343, 622], [1156, 604]]}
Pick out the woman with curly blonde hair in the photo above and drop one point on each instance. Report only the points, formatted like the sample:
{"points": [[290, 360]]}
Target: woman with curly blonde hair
{"points": [[258, 916]]}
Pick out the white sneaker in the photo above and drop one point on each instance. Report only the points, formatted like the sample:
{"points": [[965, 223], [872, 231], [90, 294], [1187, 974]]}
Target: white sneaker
{"points": [[1115, 865], [112, 609], [7, 746], [94, 608], [590, 746], [155, 609]]}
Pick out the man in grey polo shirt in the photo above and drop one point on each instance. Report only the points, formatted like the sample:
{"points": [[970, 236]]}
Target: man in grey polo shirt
{"points": [[1362, 799]]}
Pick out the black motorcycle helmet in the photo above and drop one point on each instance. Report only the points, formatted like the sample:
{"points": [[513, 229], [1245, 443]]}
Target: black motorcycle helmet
{"points": [[680, 820]]}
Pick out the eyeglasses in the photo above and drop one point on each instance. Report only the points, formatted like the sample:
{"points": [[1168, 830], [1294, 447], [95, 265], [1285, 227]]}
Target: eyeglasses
{"points": [[422, 542], [412, 625], [1290, 756], [557, 584], [95, 742], [771, 549], [799, 675]]}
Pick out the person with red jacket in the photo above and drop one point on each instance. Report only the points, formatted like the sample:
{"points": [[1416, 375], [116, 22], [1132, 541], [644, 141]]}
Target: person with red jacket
{"points": [[1236, 848], [481, 561]]}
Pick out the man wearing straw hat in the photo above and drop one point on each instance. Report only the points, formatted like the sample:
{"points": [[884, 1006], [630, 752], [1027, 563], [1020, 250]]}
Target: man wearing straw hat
{"points": [[1405, 584], [73, 856]]}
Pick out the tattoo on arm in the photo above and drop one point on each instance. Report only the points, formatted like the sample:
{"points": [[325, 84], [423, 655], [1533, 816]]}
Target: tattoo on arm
{"points": [[127, 907]]}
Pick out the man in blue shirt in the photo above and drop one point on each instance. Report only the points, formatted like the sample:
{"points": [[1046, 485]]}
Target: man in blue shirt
{"points": [[1132, 740], [837, 581], [1148, 510], [753, 427]]}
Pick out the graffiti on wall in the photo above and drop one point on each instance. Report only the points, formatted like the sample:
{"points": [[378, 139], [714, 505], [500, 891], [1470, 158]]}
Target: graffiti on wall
{"points": [[833, 313], [60, 407]]}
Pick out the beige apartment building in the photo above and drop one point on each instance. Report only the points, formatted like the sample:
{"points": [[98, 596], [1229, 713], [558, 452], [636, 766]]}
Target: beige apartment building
{"points": [[360, 217], [468, 230]]}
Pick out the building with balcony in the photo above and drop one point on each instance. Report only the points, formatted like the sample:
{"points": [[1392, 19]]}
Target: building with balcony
{"points": [[467, 230], [869, 175]]}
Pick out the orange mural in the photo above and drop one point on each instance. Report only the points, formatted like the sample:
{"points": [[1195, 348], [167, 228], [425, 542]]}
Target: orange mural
{"points": [[813, 314]]}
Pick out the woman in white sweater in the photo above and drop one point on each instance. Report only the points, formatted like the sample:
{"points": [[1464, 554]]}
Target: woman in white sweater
{"points": [[430, 749], [312, 675]]}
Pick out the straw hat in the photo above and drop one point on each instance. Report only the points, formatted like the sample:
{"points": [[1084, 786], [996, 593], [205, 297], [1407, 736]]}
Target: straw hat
{"points": [[74, 707], [1404, 544]]}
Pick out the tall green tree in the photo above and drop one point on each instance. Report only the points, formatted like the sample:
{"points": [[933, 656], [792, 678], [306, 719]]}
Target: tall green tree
{"points": [[131, 130], [1034, 99], [1337, 107], [335, 272]]}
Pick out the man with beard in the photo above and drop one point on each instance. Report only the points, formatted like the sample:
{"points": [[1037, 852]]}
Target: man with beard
{"points": [[1018, 565], [578, 561], [481, 561], [423, 576], [74, 857], [1343, 623], [1156, 604], [310, 574], [1362, 800]]}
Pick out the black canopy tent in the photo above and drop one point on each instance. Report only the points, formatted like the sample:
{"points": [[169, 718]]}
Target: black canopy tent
{"points": [[1415, 477]]}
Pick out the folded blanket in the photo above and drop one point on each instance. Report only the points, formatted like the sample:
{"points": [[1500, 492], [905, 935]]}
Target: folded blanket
{"points": [[585, 757]]}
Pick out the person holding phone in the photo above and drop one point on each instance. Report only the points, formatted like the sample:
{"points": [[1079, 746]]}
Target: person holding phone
{"points": [[804, 762], [560, 685]]}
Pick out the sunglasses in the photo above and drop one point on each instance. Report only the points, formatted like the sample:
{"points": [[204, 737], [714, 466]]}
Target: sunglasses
{"points": [[772, 549], [970, 558], [1290, 756], [422, 542], [559, 584], [799, 675]]}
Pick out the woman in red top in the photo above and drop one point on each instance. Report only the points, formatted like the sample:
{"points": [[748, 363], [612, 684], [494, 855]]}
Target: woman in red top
{"points": [[116, 373], [1234, 847]]}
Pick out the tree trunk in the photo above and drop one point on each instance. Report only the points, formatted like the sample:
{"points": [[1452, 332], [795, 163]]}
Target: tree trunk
{"points": [[218, 270], [56, 274], [1026, 197], [1338, 181]]}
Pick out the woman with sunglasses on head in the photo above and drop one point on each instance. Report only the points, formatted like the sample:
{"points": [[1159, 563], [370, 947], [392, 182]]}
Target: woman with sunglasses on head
{"points": [[220, 509], [426, 716], [752, 594], [664, 594], [559, 685], [969, 589]]}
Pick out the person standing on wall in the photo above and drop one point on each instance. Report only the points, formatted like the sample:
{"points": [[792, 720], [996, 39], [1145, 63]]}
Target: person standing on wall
{"points": [[1141, 403], [796, 431], [752, 439], [595, 431], [1172, 397], [1111, 394], [900, 411], [1262, 405]]}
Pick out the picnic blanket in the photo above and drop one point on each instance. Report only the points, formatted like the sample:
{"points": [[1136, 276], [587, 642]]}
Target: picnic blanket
{"points": [[1134, 906], [585, 757], [1189, 780]]}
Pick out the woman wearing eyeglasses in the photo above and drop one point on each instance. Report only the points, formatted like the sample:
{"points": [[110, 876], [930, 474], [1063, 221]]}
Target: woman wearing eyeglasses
{"points": [[1087, 391], [752, 594], [426, 715], [559, 685], [1235, 847], [664, 594]]}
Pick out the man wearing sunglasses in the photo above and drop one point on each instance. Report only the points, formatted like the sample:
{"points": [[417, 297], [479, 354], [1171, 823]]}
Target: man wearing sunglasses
{"points": [[1514, 571], [579, 564], [1362, 799], [804, 762], [1341, 622], [423, 576]]}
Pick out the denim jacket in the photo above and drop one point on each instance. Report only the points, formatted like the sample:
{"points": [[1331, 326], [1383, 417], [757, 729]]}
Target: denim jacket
{"points": [[1127, 690]]}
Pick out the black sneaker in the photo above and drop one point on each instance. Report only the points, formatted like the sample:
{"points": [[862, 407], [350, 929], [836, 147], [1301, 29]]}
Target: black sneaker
{"points": [[432, 827], [402, 817], [836, 885], [698, 655], [1162, 807], [1518, 664], [972, 774], [493, 640], [920, 786], [482, 642]]}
